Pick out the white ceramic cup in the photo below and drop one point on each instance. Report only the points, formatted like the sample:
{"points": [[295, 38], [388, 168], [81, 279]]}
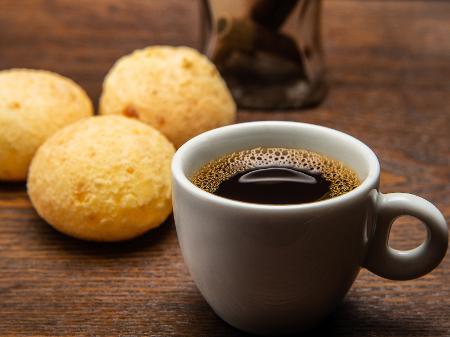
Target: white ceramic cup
{"points": [[272, 269]]}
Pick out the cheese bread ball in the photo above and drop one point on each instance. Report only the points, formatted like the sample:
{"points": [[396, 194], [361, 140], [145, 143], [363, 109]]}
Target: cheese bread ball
{"points": [[174, 89], [103, 179], [33, 105]]}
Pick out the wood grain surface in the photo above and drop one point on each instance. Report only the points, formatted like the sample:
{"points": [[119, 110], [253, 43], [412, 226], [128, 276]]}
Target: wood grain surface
{"points": [[389, 71]]}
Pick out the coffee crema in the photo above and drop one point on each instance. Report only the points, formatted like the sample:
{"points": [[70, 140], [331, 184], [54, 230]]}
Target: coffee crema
{"points": [[275, 176]]}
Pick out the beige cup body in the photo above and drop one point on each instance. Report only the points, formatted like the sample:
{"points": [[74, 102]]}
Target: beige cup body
{"points": [[270, 273], [278, 269]]}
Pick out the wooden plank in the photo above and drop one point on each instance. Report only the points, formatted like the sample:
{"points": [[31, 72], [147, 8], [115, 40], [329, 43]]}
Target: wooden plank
{"points": [[388, 74]]}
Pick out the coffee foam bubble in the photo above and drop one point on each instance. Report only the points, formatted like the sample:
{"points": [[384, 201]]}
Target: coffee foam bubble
{"points": [[342, 179]]}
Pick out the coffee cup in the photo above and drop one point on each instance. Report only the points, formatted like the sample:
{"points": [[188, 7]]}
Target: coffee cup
{"points": [[273, 269]]}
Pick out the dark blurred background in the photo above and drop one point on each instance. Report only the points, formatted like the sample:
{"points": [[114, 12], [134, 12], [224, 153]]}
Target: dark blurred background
{"points": [[368, 44]]}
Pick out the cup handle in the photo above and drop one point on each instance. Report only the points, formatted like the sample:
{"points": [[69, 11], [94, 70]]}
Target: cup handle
{"points": [[395, 264]]}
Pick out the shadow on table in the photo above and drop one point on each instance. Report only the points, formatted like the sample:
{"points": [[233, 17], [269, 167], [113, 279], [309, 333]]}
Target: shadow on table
{"points": [[12, 187], [47, 236], [108, 250], [352, 318]]}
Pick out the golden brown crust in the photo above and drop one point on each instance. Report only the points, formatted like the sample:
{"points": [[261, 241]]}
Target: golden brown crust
{"points": [[103, 179], [33, 105], [175, 89]]}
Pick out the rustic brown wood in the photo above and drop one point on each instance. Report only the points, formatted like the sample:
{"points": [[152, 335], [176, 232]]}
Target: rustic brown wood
{"points": [[389, 75]]}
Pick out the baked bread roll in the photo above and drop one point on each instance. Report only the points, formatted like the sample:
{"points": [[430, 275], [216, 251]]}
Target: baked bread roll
{"points": [[34, 104], [174, 89], [103, 179]]}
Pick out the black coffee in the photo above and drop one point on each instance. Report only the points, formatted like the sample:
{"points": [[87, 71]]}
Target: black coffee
{"points": [[276, 176]]}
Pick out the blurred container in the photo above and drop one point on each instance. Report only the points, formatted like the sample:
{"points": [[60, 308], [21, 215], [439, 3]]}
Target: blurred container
{"points": [[268, 51]]}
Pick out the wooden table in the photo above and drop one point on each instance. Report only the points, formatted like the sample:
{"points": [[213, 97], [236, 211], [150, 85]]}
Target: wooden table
{"points": [[389, 71]]}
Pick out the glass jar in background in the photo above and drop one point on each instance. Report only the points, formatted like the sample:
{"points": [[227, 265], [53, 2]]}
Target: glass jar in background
{"points": [[268, 51]]}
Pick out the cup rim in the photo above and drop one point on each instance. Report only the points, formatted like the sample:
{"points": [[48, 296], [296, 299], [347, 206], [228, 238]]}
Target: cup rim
{"points": [[177, 171]]}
